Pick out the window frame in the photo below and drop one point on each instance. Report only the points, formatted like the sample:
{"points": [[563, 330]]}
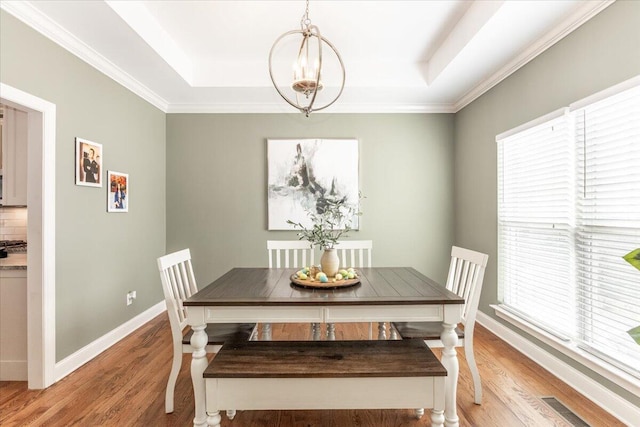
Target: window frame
{"points": [[569, 347]]}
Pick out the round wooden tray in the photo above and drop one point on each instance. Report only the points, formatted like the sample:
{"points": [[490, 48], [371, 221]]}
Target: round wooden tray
{"points": [[308, 284]]}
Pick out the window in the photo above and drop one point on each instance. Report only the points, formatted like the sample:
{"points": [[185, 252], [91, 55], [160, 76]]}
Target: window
{"points": [[568, 210]]}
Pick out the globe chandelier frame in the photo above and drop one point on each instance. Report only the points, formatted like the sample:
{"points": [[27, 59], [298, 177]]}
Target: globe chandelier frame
{"points": [[307, 72]]}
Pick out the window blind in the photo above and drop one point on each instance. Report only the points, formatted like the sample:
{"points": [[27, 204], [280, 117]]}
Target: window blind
{"points": [[608, 226], [568, 210], [534, 224]]}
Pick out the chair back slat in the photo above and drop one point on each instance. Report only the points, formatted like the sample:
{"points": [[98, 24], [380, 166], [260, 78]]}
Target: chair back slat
{"points": [[294, 253], [466, 274], [178, 284], [355, 253]]}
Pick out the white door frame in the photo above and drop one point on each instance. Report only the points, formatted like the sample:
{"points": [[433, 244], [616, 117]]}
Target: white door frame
{"points": [[41, 255]]}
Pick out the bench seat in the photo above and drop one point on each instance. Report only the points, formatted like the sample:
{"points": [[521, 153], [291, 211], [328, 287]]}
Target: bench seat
{"points": [[263, 375]]}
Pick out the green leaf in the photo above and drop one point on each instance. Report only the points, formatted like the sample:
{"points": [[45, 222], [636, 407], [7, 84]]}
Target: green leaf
{"points": [[633, 258], [635, 334]]}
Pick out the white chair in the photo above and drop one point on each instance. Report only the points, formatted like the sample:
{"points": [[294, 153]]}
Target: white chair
{"points": [[466, 273], [357, 254], [178, 284], [289, 254], [354, 253]]}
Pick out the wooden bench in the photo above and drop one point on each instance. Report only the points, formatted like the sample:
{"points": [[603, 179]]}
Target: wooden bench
{"points": [[263, 375]]}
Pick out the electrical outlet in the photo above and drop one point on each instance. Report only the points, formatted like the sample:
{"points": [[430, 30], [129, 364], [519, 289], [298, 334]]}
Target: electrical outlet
{"points": [[131, 295]]}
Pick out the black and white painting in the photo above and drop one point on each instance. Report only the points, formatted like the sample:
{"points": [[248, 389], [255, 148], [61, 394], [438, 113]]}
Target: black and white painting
{"points": [[305, 173]]}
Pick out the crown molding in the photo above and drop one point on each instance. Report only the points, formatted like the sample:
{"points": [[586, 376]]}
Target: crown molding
{"points": [[283, 108], [575, 20], [31, 16]]}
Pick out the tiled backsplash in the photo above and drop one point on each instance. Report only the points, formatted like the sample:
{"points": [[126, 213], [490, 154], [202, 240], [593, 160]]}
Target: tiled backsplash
{"points": [[13, 223]]}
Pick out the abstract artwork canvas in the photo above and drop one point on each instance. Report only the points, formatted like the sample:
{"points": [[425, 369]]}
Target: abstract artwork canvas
{"points": [[305, 173]]}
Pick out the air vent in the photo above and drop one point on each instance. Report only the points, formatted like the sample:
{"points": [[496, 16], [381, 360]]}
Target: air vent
{"points": [[565, 412]]}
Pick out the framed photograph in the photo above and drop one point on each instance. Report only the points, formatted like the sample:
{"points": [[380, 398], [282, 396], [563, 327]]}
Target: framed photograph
{"points": [[88, 163], [118, 194], [305, 173]]}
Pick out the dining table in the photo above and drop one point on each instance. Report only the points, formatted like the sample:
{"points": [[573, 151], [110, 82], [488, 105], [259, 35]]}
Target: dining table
{"points": [[267, 295]]}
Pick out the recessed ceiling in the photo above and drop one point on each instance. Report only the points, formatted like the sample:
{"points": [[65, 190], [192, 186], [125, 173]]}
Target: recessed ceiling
{"points": [[400, 56]]}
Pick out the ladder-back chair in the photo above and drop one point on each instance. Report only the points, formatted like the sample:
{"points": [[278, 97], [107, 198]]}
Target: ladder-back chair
{"points": [[466, 274], [178, 284]]}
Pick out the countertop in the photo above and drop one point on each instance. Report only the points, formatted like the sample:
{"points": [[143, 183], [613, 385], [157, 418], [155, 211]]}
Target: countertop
{"points": [[14, 261]]}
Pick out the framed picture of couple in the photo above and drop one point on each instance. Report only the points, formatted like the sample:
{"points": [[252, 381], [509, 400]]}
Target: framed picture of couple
{"points": [[118, 194], [88, 163]]}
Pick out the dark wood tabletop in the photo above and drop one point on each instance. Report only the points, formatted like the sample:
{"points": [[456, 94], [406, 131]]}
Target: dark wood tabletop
{"points": [[270, 286]]}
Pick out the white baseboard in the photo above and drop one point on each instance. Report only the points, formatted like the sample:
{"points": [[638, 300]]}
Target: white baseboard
{"points": [[13, 370], [91, 350], [620, 408]]}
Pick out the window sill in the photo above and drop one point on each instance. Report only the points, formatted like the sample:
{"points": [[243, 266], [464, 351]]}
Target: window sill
{"points": [[612, 373]]}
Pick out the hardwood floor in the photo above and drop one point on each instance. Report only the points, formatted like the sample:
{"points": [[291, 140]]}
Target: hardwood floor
{"points": [[125, 386]]}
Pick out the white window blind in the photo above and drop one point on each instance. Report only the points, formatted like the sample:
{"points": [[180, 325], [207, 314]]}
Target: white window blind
{"points": [[608, 226], [534, 218], [568, 210]]}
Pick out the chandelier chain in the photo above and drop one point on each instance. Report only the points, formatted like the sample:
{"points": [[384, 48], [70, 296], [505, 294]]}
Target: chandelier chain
{"points": [[305, 22]]}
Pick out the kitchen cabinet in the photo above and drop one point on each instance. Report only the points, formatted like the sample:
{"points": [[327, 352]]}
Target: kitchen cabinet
{"points": [[13, 325], [14, 157]]}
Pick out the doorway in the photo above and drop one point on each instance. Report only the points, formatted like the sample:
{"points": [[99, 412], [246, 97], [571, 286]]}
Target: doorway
{"points": [[41, 122]]}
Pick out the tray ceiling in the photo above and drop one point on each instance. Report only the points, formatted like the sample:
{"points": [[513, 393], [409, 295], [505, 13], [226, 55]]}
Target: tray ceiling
{"points": [[400, 56]]}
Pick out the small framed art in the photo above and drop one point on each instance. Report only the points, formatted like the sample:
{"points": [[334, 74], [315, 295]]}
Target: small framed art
{"points": [[118, 194], [88, 163]]}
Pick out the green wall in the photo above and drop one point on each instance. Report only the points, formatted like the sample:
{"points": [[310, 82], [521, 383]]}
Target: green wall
{"points": [[199, 180], [217, 186], [601, 53], [99, 256]]}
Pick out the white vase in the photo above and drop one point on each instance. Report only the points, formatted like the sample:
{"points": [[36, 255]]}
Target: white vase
{"points": [[329, 262]]}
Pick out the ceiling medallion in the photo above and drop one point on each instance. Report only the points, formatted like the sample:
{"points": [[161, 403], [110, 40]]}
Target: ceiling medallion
{"points": [[308, 67]]}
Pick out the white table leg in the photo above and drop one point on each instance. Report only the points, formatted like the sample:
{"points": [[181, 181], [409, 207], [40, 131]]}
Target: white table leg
{"points": [[450, 361], [382, 331], [393, 333], [331, 331], [266, 332], [213, 419], [315, 331], [437, 418], [198, 365]]}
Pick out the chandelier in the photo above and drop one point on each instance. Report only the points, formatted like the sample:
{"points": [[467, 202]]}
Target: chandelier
{"points": [[308, 67]]}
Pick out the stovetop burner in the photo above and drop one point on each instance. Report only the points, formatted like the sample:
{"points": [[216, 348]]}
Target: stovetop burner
{"points": [[13, 245]]}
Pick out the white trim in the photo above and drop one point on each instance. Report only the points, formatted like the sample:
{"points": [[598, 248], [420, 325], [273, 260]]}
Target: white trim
{"points": [[41, 193], [623, 379], [533, 123], [588, 11], [40, 22], [91, 350], [590, 388], [282, 108], [611, 91]]}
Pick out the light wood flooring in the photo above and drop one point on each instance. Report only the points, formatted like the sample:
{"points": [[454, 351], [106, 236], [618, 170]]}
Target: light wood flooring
{"points": [[124, 386]]}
